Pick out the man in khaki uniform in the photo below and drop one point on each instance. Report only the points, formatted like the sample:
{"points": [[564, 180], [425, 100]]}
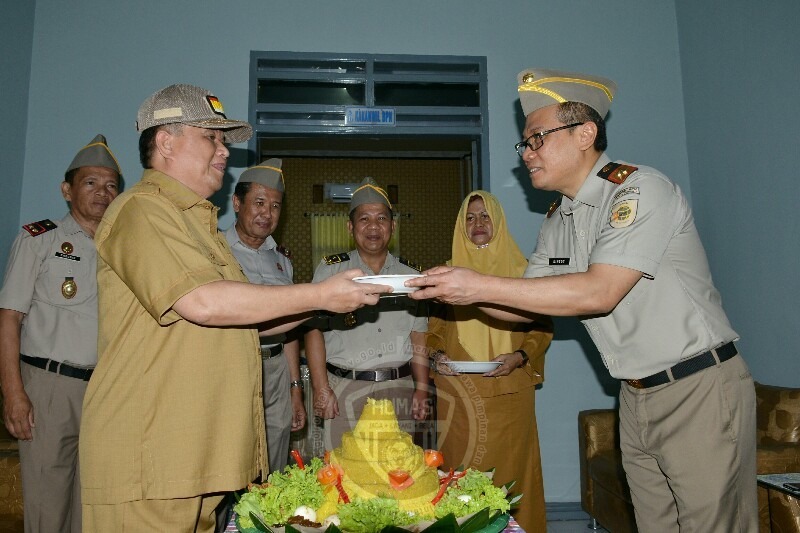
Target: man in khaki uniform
{"points": [[173, 415], [622, 251], [378, 351], [48, 339], [257, 202]]}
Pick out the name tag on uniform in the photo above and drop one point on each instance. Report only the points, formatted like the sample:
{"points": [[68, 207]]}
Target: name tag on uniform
{"points": [[68, 256], [559, 261]]}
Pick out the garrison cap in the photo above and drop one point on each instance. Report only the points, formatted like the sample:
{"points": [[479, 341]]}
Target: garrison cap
{"points": [[368, 192], [540, 88], [268, 173], [95, 154], [193, 106]]}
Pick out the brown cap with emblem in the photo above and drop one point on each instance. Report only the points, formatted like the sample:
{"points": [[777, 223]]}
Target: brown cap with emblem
{"points": [[193, 106], [268, 173], [540, 88], [95, 154], [368, 192]]}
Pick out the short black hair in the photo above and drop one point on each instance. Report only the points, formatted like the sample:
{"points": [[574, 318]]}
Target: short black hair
{"points": [[241, 190], [571, 112], [69, 176], [147, 141]]}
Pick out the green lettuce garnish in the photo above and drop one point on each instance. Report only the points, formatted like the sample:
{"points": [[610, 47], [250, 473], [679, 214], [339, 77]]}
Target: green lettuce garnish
{"points": [[284, 492], [481, 494], [374, 514]]}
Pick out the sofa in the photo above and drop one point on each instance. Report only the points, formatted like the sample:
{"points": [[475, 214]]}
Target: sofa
{"points": [[604, 491]]}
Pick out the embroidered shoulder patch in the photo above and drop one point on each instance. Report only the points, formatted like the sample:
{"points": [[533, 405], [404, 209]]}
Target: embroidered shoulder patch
{"points": [[283, 250], [553, 207], [408, 263], [625, 192], [336, 258], [623, 213], [37, 228], [616, 172]]}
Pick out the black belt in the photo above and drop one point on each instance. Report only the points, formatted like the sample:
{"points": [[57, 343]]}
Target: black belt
{"points": [[271, 351], [384, 374], [686, 368], [58, 367]]}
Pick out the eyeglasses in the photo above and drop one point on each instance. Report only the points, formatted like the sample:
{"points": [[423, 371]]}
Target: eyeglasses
{"points": [[535, 141]]}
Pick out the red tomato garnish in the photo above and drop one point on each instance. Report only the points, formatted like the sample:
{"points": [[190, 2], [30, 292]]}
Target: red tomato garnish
{"points": [[434, 458], [398, 476]]}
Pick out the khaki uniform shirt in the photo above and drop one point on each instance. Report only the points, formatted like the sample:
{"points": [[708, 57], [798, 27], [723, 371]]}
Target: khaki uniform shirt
{"points": [[374, 336], [674, 312], [55, 327], [173, 409]]}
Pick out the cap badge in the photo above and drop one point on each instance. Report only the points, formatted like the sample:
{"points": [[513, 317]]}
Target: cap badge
{"points": [[216, 105], [67, 247], [69, 288], [349, 320], [529, 77]]}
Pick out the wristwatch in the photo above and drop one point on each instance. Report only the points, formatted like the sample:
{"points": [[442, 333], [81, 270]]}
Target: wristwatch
{"points": [[524, 357]]}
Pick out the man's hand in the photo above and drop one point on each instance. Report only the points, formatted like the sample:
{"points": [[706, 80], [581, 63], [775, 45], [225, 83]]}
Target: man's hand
{"points": [[298, 409], [340, 294], [511, 361], [440, 365], [420, 404], [451, 285], [18, 415], [325, 403]]}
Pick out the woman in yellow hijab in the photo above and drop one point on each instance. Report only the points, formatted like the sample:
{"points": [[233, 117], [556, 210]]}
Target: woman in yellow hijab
{"points": [[487, 419]]}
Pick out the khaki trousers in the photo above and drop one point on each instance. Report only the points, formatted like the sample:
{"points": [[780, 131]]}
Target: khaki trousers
{"points": [[277, 410], [51, 487], [184, 515], [689, 452]]}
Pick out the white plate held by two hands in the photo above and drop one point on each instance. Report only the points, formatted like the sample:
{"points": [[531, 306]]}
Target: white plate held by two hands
{"points": [[396, 281]]}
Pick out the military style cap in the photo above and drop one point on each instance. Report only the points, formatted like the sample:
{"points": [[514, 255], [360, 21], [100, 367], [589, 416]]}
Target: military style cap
{"points": [[540, 88], [95, 154], [368, 192], [268, 174], [194, 106]]}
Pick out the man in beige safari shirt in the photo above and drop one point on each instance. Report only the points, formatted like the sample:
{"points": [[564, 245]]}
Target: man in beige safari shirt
{"points": [[173, 416]]}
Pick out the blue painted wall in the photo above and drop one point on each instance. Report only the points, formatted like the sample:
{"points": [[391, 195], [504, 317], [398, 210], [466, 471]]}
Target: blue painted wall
{"points": [[741, 85], [16, 40], [94, 61]]}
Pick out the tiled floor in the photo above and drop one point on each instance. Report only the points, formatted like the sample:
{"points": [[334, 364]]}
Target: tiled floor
{"points": [[571, 526]]}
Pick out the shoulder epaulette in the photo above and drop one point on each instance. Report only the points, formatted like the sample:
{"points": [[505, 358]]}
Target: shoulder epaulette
{"points": [[553, 207], [283, 250], [336, 258], [616, 172], [408, 263], [37, 228]]}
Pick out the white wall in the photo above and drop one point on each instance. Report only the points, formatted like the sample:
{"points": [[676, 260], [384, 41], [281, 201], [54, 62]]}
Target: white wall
{"points": [[95, 61]]}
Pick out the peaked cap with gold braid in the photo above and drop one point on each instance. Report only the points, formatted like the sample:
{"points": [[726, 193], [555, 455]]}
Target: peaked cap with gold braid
{"points": [[268, 173], [95, 154], [540, 88], [368, 192]]}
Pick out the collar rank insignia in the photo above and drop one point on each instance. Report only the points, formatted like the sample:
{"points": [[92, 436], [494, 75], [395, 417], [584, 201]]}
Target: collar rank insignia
{"points": [[336, 258], [616, 172], [37, 228], [408, 263], [283, 250], [553, 207]]}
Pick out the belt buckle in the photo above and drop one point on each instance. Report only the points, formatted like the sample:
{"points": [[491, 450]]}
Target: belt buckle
{"points": [[383, 375], [635, 383]]}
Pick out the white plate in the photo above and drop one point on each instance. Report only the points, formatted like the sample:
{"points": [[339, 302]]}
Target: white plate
{"points": [[394, 280], [473, 367]]}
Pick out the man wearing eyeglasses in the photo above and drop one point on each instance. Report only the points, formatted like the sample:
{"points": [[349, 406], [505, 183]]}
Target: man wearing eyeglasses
{"points": [[620, 249]]}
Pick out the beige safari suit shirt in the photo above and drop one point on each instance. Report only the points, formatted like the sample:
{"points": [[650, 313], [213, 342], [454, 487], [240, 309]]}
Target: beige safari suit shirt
{"points": [[173, 409], [674, 312]]}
